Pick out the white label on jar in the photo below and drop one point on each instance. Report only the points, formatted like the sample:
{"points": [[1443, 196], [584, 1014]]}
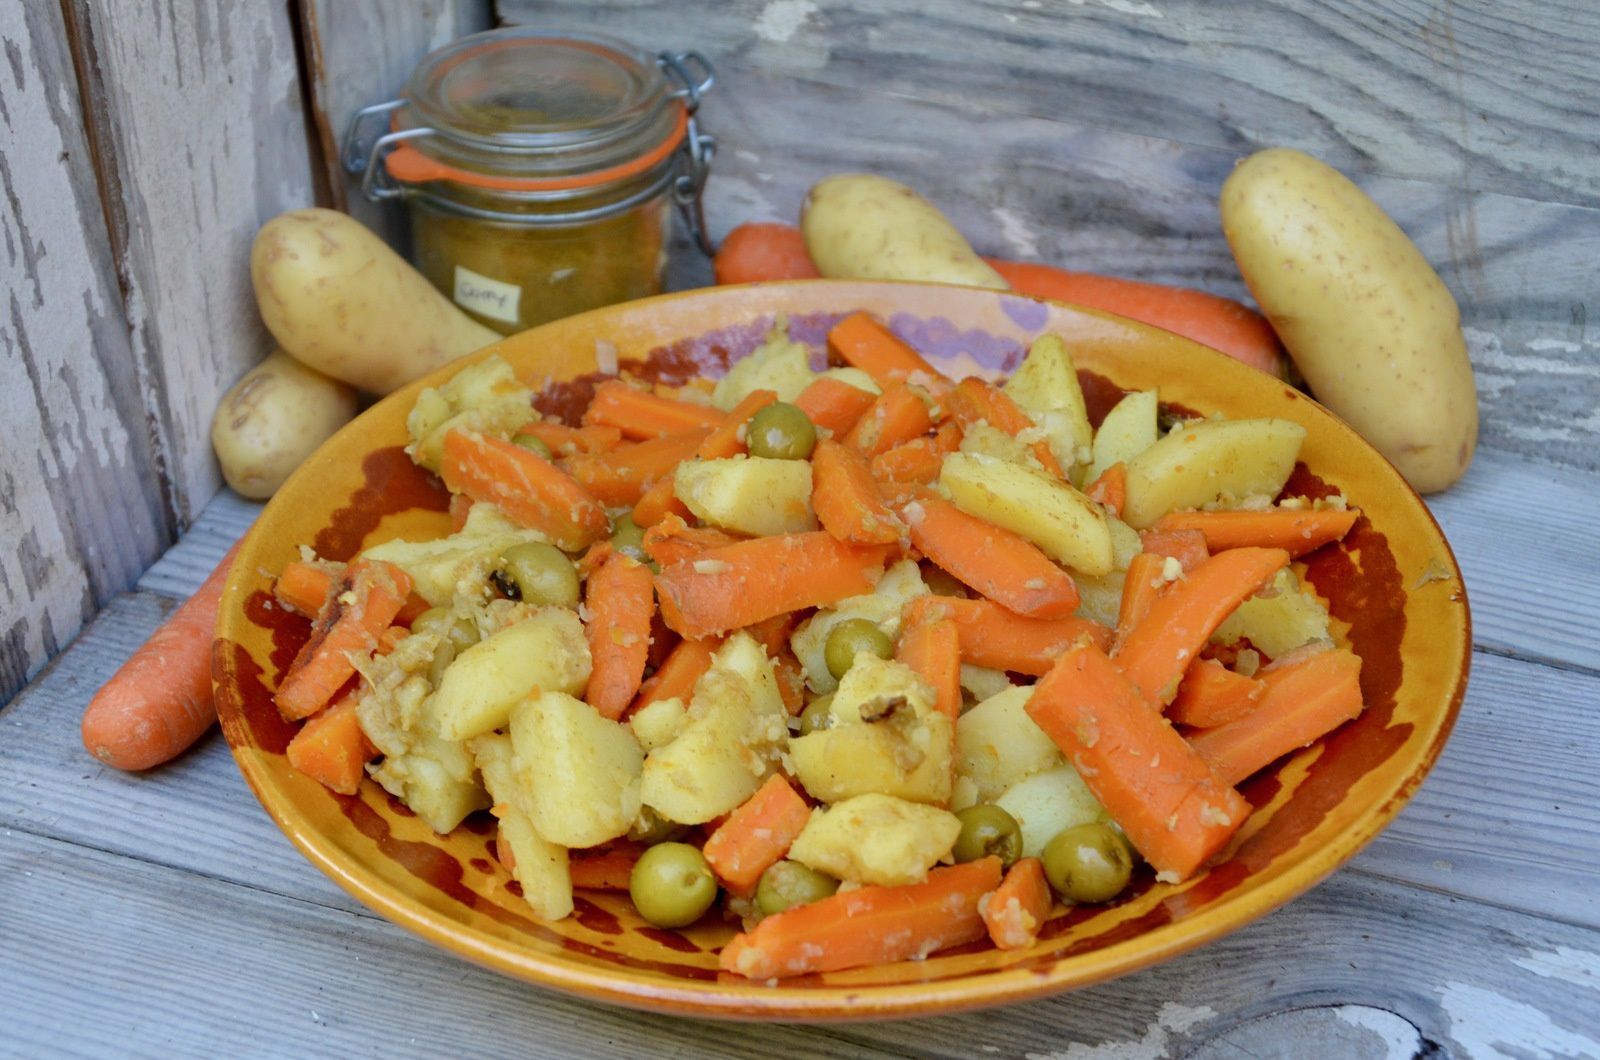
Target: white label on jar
{"points": [[494, 299]]}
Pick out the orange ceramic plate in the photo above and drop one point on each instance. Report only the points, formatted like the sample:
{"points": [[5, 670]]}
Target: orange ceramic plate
{"points": [[1392, 586]]}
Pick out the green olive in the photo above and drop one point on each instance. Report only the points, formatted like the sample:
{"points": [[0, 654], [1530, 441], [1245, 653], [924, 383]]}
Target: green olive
{"points": [[459, 632], [849, 639], [671, 885], [540, 573], [780, 431], [1088, 863], [818, 715], [652, 828], [987, 829], [534, 444], [787, 884], [627, 537]]}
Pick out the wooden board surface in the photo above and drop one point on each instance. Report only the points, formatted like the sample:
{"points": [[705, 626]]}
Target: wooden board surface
{"points": [[81, 505]]}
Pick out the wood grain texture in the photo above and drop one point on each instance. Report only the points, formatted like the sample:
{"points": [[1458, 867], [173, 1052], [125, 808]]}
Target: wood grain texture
{"points": [[360, 52], [1029, 126], [196, 120], [81, 505]]}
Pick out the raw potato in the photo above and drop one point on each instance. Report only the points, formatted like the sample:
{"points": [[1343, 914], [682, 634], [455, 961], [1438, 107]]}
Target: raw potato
{"points": [[752, 495], [1128, 430], [1068, 526], [865, 227], [338, 299], [1368, 322], [876, 839], [546, 652], [1203, 463], [272, 419], [578, 770]]}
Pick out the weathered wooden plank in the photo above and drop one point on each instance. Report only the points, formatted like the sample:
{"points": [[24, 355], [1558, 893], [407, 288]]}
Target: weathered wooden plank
{"points": [[1443, 93], [82, 509], [360, 52], [1472, 980], [182, 568], [199, 133]]}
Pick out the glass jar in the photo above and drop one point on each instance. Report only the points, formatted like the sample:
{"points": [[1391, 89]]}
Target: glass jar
{"points": [[540, 169]]}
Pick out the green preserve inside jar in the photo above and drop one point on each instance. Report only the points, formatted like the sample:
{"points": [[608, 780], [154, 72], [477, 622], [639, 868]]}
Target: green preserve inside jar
{"points": [[541, 169]]}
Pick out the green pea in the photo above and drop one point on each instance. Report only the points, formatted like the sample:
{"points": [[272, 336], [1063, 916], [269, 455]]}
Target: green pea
{"points": [[537, 573], [818, 715], [781, 432], [787, 884], [672, 885], [534, 444], [627, 537], [1088, 863], [851, 637], [987, 829]]}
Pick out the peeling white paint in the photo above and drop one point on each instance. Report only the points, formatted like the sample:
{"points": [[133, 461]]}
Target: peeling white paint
{"points": [[1559, 345], [1156, 1043], [1485, 1023], [1398, 1034], [1567, 963], [1489, 352], [1126, 7], [782, 19], [1017, 233]]}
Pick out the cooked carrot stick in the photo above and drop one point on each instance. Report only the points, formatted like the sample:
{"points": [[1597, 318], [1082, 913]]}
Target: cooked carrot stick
{"points": [[360, 608], [331, 748], [640, 414], [302, 586], [791, 682], [974, 401], [833, 404], [564, 440], [873, 348], [1018, 908], [898, 415], [618, 478], [753, 253], [620, 600], [678, 675], [604, 870], [1188, 547], [528, 488], [658, 502], [460, 508], [846, 499], [1140, 588], [736, 585], [1164, 795], [672, 540], [933, 650], [1303, 701], [725, 440], [997, 638], [159, 701], [756, 835], [773, 633], [1210, 694], [1004, 566], [869, 925], [1111, 488], [1161, 646], [1220, 323], [916, 462], [1295, 531]]}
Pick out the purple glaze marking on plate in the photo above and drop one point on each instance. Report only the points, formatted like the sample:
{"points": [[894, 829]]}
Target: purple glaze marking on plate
{"points": [[937, 337], [1027, 313]]}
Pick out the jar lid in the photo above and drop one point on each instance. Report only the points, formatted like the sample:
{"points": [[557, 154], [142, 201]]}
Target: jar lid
{"points": [[522, 109]]}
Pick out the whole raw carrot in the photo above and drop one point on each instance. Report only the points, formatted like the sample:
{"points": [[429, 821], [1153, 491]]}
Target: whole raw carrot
{"points": [[753, 253], [159, 701], [846, 499], [1296, 531], [640, 414], [756, 835], [869, 925], [1003, 566], [620, 600], [995, 637], [528, 488], [737, 585], [1173, 809]]}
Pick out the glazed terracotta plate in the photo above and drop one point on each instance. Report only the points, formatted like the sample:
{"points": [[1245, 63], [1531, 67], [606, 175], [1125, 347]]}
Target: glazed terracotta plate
{"points": [[1392, 587]]}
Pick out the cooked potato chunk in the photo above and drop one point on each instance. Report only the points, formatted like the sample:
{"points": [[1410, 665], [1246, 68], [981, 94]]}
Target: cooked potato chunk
{"points": [[997, 744], [1046, 803], [579, 769], [748, 494], [876, 839], [981, 682], [1046, 385], [990, 441], [778, 364], [546, 652], [729, 742], [487, 398], [904, 756], [1198, 464], [538, 865], [1128, 430], [1068, 526], [899, 585], [1100, 598], [872, 685], [459, 564], [1278, 620], [658, 723]]}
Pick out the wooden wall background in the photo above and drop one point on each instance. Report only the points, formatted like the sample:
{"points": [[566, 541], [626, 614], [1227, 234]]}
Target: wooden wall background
{"points": [[144, 144]]}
